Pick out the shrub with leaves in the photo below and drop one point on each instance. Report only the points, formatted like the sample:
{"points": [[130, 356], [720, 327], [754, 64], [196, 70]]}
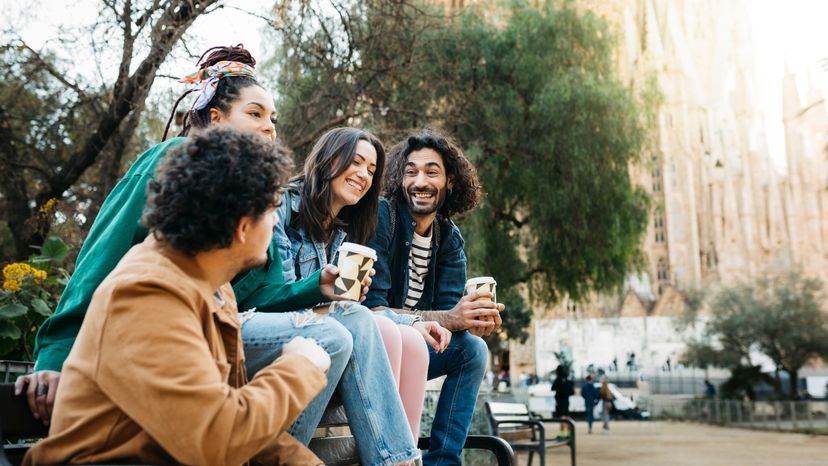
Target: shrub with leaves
{"points": [[30, 292]]}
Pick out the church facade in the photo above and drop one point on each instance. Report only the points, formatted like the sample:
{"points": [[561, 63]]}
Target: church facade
{"points": [[724, 209]]}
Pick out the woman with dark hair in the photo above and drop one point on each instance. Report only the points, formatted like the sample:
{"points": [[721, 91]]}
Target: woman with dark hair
{"points": [[228, 95], [334, 199]]}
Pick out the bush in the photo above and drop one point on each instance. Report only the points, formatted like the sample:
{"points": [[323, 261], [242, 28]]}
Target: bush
{"points": [[30, 292]]}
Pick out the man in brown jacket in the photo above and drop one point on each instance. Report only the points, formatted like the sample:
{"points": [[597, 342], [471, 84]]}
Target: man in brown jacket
{"points": [[156, 375]]}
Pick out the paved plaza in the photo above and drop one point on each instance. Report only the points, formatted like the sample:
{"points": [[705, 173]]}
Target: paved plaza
{"points": [[676, 443]]}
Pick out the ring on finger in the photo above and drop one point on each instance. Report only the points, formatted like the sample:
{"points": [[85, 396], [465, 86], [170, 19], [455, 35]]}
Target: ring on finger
{"points": [[42, 389]]}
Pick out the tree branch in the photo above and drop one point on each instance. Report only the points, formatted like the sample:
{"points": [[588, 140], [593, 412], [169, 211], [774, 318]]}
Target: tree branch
{"points": [[55, 73], [169, 28]]}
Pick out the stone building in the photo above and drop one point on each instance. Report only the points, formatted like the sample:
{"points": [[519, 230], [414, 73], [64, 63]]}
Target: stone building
{"points": [[724, 209]]}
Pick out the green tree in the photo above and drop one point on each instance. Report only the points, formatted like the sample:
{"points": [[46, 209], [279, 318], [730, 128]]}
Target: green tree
{"points": [[57, 129], [777, 315], [529, 92]]}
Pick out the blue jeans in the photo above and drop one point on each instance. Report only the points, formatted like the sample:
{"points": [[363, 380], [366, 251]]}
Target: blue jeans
{"points": [[589, 412], [464, 363], [361, 372]]}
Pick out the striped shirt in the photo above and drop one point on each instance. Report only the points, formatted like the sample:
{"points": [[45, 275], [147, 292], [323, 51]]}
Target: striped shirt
{"points": [[417, 268]]}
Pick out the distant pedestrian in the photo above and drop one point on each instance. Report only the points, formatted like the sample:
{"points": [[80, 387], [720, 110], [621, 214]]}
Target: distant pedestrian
{"points": [[523, 380], [503, 378], [631, 366], [606, 398], [615, 364], [563, 388], [591, 396], [709, 389]]}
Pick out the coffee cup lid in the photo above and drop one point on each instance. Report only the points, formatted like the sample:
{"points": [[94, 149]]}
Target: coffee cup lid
{"points": [[359, 249], [480, 281]]}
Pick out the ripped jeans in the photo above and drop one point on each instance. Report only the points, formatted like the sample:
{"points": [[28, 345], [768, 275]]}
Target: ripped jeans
{"points": [[359, 368]]}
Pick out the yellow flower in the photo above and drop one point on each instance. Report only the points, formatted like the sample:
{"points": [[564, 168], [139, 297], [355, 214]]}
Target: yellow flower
{"points": [[11, 285], [19, 271], [47, 208]]}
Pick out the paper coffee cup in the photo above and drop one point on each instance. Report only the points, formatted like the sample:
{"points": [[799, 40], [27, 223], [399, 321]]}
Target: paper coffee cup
{"points": [[483, 285], [355, 261]]}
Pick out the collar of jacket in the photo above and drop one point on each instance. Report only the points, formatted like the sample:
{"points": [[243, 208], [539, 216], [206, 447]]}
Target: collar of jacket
{"points": [[408, 224]]}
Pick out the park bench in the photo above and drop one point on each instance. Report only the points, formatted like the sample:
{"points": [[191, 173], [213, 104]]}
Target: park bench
{"points": [[338, 449], [525, 431]]}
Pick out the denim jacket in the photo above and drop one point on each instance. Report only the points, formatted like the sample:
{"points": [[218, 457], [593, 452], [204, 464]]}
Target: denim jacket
{"points": [[446, 277], [302, 256]]}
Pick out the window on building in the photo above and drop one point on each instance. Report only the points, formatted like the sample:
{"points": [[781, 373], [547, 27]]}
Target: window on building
{"points": [[663, 271], [656, 174], [658, 225]]}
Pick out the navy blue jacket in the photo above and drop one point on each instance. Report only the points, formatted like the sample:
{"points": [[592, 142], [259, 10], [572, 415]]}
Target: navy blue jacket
{"points": [[590, 393], [446, 277]]}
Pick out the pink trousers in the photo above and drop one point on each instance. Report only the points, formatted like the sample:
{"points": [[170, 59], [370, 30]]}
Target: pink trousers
{"points": [[408, 355]]}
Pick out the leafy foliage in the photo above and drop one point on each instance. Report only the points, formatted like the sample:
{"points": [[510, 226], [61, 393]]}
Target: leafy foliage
{"points": [[30, 293], [529, 92], [778, 315], [63, 136]]}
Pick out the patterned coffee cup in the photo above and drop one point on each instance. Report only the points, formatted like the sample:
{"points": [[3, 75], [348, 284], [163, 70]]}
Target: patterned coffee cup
{"points": [[483, 285], [354, 263]]}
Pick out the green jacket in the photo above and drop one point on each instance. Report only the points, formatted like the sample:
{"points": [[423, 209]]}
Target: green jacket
{"points": [[116, 229]]}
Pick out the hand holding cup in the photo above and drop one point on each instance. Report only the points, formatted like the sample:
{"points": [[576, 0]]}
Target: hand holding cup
{"points": [[485, 288], [356, 266]]}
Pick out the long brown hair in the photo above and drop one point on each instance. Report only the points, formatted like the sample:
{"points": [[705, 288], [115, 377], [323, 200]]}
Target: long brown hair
{"points": [[606, 394], [332, 154]]}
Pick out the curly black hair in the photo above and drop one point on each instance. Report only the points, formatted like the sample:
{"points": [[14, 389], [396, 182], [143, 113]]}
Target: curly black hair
{"points": [[466, 192], [206, 185]]}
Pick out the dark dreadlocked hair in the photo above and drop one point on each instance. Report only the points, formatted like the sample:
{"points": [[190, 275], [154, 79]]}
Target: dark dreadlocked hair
{"points": [[227, 90]]}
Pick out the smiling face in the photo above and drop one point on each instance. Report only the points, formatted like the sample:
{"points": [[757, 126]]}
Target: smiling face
{"points": [[425, 183], [352, 184], [253, 111]]}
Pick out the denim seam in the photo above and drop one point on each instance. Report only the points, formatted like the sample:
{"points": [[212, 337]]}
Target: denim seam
{"points": [[399, 458], [453, 403], [377, 437]]}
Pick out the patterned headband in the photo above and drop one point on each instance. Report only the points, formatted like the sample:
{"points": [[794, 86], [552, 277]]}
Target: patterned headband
{"points": [[206, 79]]}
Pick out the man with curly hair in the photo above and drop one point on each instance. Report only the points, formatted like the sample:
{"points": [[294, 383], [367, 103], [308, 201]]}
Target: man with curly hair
{"points": [[421, 269], [156, 375]]}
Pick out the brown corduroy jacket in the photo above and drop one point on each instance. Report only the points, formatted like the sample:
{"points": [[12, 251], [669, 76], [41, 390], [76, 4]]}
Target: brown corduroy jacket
{"points": [[156, 376]]}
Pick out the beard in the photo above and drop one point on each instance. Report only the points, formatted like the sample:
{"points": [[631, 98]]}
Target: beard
{"points": [[418, 207]]}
